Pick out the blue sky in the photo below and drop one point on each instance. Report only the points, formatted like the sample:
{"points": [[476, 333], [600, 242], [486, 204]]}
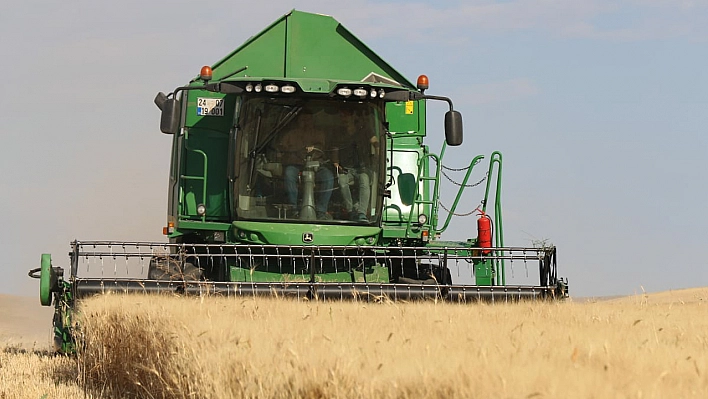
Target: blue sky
{"points": [[599, 107]]}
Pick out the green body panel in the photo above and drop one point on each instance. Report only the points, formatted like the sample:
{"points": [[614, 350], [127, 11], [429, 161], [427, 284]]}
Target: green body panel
{"points": [[203, 176], [198, 225], [373, 274], [305, 45], [220, 124], [204, 156], [407, 125], [291, 234], [402, 122], [484, 273]]}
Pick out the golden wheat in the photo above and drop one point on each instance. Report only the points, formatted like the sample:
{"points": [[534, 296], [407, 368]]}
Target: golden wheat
{"points": [[172, 347], [37, 374], [246, 347]]}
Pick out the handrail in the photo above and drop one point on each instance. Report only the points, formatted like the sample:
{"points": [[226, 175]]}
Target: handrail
{"points": [[474, 161], [418, 200], [496, 158], [202, 178]]}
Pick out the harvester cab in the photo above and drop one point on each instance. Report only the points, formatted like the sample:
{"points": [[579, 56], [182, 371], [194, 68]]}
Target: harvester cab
{"points": [[299, 168]]}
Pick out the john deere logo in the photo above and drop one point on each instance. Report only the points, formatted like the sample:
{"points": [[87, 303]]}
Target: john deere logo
{"points": [[308, 237]]}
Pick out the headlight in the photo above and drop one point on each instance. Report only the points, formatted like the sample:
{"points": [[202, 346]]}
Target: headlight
{"points": [[201, 209], [422, 219], [360, 92]]}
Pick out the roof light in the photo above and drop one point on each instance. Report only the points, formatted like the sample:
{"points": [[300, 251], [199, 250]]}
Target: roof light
{"points": [[344, 91], [249, 87], [258, 88], [373, 93], [205, 74], [272, 88], [287, 89], [422, 83], [360, 92], [382, 93]]}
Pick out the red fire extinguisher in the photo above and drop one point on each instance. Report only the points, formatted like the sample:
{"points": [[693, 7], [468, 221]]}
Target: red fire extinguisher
{"points": [[484, 232]]}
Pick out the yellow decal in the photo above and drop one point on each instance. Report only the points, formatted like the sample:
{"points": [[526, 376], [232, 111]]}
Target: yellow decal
{"points": [[409, 107]]}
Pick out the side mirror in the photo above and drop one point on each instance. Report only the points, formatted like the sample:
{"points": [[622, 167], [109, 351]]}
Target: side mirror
{"points": [[406, 188], [160, 99], [453, 128], [169, 121]]}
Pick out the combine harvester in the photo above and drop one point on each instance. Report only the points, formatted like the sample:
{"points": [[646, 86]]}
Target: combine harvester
{"points": [[299, 169]]}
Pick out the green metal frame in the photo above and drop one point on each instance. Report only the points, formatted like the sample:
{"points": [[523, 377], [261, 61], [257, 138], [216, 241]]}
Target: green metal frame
{"points": [[496, 159], [184, 177]]}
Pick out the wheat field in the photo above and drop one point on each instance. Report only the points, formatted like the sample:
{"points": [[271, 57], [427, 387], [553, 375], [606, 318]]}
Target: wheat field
{"points": [[644, 346]]}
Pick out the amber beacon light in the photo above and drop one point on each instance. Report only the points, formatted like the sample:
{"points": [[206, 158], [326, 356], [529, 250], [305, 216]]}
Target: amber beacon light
{"points": [[422, 83], [205, 73]]}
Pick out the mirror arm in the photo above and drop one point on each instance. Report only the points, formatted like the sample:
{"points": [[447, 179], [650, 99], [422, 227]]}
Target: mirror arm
{"points": [[217, 87], [404, 95], [439, 98]]}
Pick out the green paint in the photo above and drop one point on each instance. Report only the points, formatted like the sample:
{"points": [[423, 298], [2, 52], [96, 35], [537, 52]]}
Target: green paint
{"points": [[292, 233], [45, 294], [375, 273], [484, 273]]}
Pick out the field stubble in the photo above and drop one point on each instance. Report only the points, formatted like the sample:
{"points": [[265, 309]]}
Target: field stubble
{"points": [[636, 347]]}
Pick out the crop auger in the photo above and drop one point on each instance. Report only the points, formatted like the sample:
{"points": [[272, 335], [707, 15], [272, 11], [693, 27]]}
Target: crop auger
{"points": [[299, 169]]}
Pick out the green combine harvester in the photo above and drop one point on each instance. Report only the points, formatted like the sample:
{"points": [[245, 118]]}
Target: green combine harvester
{"points": [[299, 169]]}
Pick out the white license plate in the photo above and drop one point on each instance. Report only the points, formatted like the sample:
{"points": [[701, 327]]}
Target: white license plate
{"points": [[210, 106]]}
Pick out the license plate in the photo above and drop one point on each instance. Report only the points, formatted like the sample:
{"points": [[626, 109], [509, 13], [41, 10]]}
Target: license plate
{"points": [[210, 106]]}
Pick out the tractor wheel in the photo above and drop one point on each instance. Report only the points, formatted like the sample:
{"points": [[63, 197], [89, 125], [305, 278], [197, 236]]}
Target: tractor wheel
{"points": [[167, 269]]}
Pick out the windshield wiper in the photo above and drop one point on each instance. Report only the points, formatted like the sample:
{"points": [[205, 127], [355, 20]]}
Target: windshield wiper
{"points": [[287, 118], [253, 155]]}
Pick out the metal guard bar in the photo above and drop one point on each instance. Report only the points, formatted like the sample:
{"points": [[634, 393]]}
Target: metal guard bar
{"points": [[322, 291]]}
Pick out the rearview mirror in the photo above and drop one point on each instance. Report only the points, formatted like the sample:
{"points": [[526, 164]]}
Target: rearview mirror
{"points": [[453, 128], [406, 188], [160, 99], [169, 120]]}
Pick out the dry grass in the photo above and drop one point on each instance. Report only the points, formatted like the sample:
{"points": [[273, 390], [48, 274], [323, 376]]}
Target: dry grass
{"points": [[37, 374], [225, 347], [637, 347]]}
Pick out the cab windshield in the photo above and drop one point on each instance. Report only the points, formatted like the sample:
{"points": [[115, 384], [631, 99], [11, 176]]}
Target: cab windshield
{"points": [[316, 161]]}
